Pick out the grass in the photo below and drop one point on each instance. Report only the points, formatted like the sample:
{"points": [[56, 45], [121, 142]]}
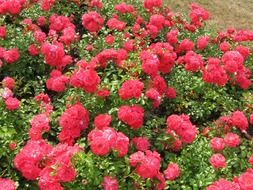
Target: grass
{"points": [[223, 13]]}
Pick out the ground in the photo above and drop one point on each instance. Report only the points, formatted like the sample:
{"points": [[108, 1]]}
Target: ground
{"points": [[224, 13]]}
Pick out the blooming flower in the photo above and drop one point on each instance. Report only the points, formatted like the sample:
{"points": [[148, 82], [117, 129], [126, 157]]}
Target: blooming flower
{"points": [[131, 89], [8, 82], [217, 144], [73, 121], [231, 140], [7, 184], [131, 115], [110, 183], [147, 164], [12, 103], [102, 120], [141, 143], [57, 81], [150, 4], [218, 161], [172, 171], [92, 21], [87, 79]]}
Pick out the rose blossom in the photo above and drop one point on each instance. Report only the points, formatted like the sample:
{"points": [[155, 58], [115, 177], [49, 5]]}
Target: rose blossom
{"points": [[218, 161]]}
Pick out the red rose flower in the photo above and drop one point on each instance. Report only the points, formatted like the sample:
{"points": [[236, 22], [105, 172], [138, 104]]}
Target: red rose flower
{"points": [[150, 4], [217, 144], [39, 36], [124, 8], [131, 115], [197, 14], [46, 5], [232, 60], [40, 124], [231, 140], [170, 93], [7, 184], [92, 21], [47, 181], [224, 46], [159, 84], [141, 143], [157, 20], [202, 42], [11, 55], [102, 141], [8, 82], [12, 103], [57, 81], [102, 120], [86, 79], [7, 93], [172, 171], [215, 73], [150, 63], [110, 183], [54, 55], [41, 21], [148, 164], [193, 61], [121, 144], [96, 3], [103, 93], [28, 159], [100, 146], [218, 161], [131, 89], [171, 36], [33, 50], [246, 180], [73, 121], [182, 126], [12, 145], [114, 23], [223, 184], [2, 32], [239, 120], [109, 39], [185, 45]]}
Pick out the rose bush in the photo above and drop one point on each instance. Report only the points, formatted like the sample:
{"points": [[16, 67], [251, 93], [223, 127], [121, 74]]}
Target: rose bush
{"points": [[110, 95]]}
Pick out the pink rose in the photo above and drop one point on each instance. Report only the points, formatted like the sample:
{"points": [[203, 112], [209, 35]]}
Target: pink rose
{"points": [[217, 144], [231, 140], [172, 171], [218, 161], [12, 103]]}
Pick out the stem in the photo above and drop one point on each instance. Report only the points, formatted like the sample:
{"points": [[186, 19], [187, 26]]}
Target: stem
{"points": [[247, 135]]}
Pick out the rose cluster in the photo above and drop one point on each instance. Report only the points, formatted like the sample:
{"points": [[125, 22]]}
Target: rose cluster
{"points": [[243, 182], [131, 115], [74, 120], [12, 7], [10, 102], [181, 129], [230, 139], [102, 141], [147, 163], [52, 165]]}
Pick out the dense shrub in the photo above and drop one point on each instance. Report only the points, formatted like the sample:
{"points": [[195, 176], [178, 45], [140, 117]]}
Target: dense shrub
{"points": [[111, 95]]}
